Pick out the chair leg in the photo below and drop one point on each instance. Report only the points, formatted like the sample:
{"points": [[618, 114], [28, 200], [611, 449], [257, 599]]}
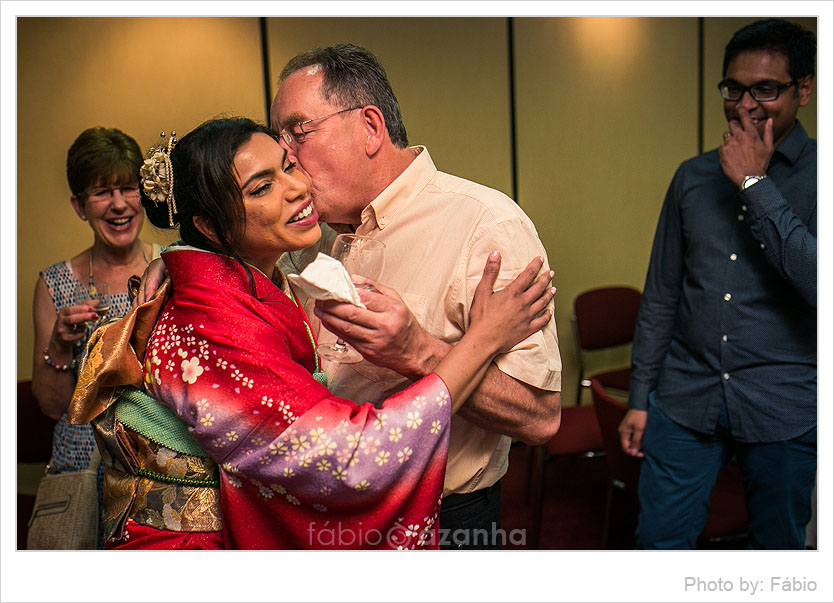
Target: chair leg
{"points": [[606, 522], [532, 471], [537, 488]]}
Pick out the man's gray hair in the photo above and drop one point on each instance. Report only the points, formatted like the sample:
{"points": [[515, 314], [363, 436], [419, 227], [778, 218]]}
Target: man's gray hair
{"points": [[353, 77]]}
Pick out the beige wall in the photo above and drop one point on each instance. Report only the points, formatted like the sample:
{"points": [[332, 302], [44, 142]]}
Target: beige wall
{"points": [[452, 85], [74, 73], [607, 108]]}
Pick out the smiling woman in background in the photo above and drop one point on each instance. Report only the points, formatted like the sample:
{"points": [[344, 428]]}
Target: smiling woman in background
{"points": [[103, 175]]}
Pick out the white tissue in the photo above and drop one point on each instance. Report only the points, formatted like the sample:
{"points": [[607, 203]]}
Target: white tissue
{"points": [[326, 278]]}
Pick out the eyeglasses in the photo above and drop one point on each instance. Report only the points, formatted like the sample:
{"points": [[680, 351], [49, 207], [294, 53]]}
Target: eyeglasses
{"points": [[100, 194], [293, 138], [762, 92]]}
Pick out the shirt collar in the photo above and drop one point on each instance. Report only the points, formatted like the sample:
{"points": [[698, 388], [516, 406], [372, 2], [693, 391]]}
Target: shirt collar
{"points": [[791, 148], [383, 210]]}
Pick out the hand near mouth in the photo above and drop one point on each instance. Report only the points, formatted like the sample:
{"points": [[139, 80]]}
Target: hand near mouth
{"points": [[743, 152]]}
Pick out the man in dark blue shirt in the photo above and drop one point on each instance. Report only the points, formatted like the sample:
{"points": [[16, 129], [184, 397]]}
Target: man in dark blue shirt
{"points": [[724, 356]]}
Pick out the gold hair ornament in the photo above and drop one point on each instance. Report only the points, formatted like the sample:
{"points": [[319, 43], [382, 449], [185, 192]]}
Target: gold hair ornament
{"points": [[157, 175]]}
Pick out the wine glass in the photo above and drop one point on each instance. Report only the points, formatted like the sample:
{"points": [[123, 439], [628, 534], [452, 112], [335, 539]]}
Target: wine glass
{"points": [[100, 292], [104, 308], [360, 255]]}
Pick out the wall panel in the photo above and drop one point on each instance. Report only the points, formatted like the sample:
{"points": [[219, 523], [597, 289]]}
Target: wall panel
{"points": [[449, 75], [607, 109]]}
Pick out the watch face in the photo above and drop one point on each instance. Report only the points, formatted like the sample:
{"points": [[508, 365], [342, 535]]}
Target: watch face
{"points": [[749, 181]]}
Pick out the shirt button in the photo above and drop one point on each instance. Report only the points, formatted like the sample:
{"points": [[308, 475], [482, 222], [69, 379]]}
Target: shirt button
{"points": [[743, 208], [726, 376], [724, 338], [727, 297], [382, 221], [761, 245], [733, 257], [741, 218]]}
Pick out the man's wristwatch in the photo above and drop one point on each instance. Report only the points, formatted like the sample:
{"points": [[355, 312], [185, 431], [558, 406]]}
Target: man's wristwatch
{"points": [[750, 181]]}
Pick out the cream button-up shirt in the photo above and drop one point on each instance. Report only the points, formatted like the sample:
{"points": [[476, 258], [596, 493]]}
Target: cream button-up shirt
{"points": [[439, 230]]}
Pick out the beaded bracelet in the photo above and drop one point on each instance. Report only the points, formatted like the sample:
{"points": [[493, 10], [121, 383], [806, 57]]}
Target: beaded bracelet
{"points": [[63, 368]]}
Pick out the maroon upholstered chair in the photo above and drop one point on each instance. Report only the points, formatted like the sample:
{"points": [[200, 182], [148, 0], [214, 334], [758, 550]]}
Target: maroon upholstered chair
{"points": [[34, 445], [34, 429], [578, 436], [604, 318], [727, 517], [623, 469]]}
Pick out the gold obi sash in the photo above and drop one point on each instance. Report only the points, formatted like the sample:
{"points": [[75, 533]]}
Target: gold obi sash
{"points": [[155, 472]]}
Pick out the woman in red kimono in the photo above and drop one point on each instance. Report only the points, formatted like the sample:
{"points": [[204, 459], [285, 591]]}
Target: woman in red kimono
{"points": [[248, 449]]}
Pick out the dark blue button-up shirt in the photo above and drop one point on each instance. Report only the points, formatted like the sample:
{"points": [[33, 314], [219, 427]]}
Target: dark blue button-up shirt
{"points": [[729, 307]]}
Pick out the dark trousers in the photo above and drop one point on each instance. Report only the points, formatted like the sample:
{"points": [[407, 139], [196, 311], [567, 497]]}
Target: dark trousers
{"points": [[680, 469], [471, 521]]}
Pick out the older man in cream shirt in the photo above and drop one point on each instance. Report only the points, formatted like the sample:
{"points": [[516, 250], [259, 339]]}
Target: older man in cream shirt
{"points": [[338, 117]]}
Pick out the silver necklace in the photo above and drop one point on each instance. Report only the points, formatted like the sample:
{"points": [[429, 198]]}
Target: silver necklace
{"points": [[92, 286]]}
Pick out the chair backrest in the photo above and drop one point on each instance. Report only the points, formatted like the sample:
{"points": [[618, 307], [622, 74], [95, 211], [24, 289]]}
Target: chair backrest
{"points": [[34, 429], [727, 517], [606, 317], [610, 413]]}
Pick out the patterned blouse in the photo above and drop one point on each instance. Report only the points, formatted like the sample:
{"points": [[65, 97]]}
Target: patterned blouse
{"points": [[72, 445]]}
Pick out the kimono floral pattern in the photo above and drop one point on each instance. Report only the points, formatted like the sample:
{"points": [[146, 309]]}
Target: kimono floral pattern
{"points": [[301, 468]]}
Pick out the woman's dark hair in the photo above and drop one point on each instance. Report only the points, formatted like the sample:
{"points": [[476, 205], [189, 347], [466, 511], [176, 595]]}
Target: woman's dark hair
{"points": [[104, 156], [205, 184]]}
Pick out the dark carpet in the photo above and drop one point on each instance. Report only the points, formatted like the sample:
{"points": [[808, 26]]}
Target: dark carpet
{"points": [[573, 509], [573, 505]]}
